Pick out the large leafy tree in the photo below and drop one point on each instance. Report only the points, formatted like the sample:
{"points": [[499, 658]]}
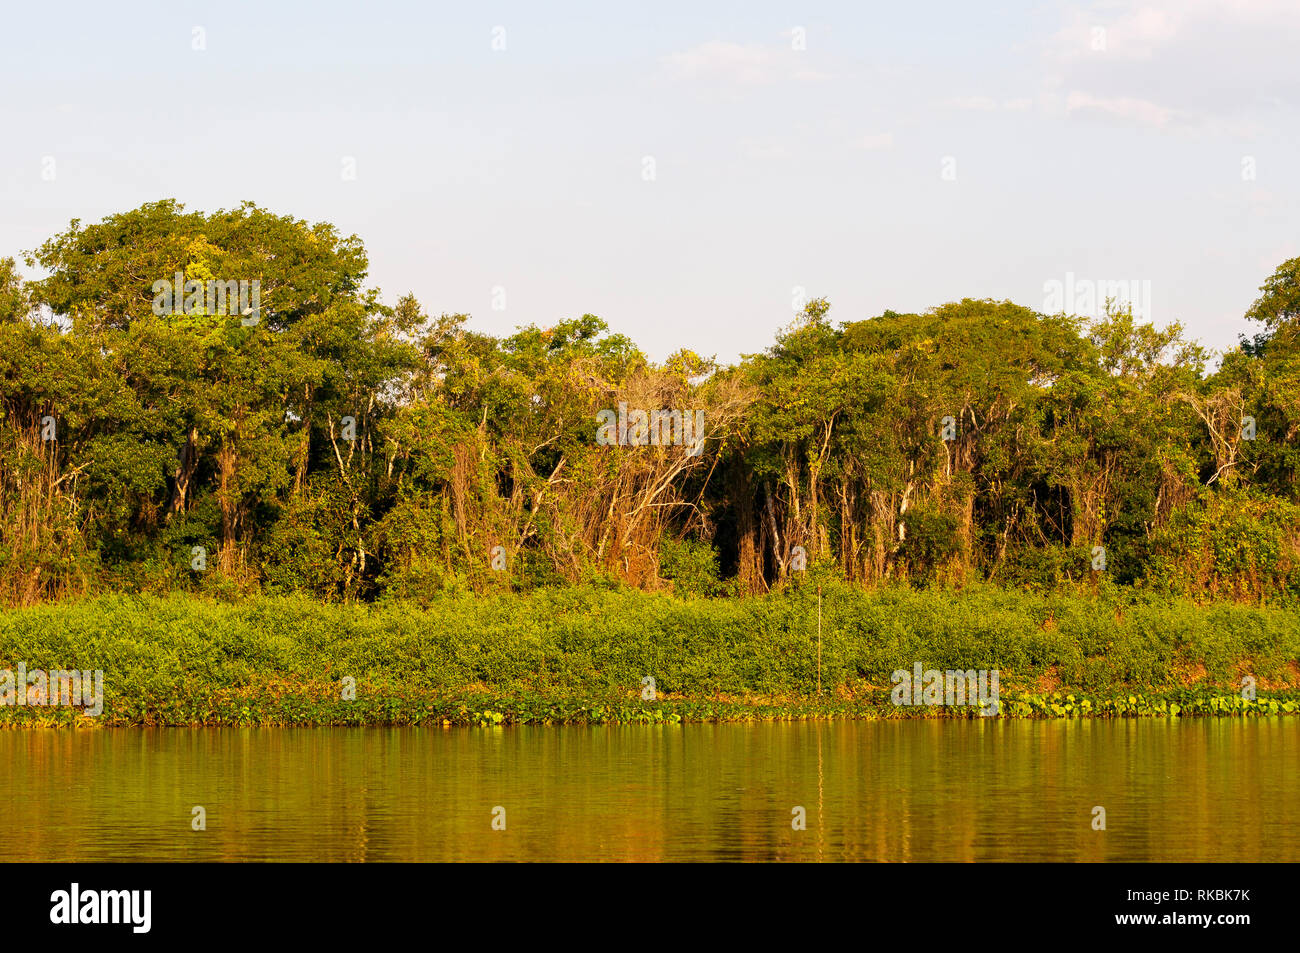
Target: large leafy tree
{"points": [[228, 414], [349, 449]]}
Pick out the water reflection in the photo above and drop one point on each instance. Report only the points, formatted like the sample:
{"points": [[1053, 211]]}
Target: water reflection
{"points": [[978, 790]]}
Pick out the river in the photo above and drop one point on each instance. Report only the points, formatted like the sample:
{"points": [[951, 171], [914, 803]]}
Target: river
{"points": [[902, 790]]}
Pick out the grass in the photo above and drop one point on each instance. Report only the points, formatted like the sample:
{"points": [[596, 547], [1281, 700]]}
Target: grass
{"points": [[579, 655]]}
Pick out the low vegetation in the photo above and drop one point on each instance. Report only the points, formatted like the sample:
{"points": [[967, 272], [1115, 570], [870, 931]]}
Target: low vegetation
{"points": [[230, 512], [578, 655]]}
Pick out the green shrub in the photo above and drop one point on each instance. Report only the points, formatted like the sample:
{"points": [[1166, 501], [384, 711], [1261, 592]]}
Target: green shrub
{"points": [[573, 642], [1234, 544], [691, 565]]}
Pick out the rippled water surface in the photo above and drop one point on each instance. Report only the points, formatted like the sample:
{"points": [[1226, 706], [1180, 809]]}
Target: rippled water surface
{"points": [[1189, 789]]}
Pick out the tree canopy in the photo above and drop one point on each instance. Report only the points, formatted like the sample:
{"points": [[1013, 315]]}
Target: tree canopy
{"points": [[349, 449]]}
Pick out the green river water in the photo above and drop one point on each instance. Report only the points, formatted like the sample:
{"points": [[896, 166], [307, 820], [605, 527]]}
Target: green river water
{"points": [[903, 790]]}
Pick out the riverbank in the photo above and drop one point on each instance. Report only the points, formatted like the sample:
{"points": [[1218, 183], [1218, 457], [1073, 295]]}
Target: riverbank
{"points": [[582, 655], [303, 706]]}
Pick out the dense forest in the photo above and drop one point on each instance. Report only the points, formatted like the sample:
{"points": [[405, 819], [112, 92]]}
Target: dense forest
{"points": [[335, 446]]}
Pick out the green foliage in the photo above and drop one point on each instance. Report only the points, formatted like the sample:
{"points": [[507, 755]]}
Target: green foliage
{"points": [[691, 566], [1279, 300], [350, 451], [1237, 545], [574, 654], [933, 539]]}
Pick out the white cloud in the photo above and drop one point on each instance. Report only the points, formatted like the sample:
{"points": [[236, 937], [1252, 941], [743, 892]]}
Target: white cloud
{"points": [[1214, 64], [1120, 107], [737, 64], [1144, 29], [881, 140], [978, 103], [988, 104], [763, 149]]}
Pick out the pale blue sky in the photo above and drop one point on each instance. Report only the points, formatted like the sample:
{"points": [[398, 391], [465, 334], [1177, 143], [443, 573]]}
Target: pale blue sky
{"points": [[1115, 155]]}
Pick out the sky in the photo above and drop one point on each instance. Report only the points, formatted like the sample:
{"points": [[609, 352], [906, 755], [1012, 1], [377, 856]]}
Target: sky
{"points": [[691, 172]]}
